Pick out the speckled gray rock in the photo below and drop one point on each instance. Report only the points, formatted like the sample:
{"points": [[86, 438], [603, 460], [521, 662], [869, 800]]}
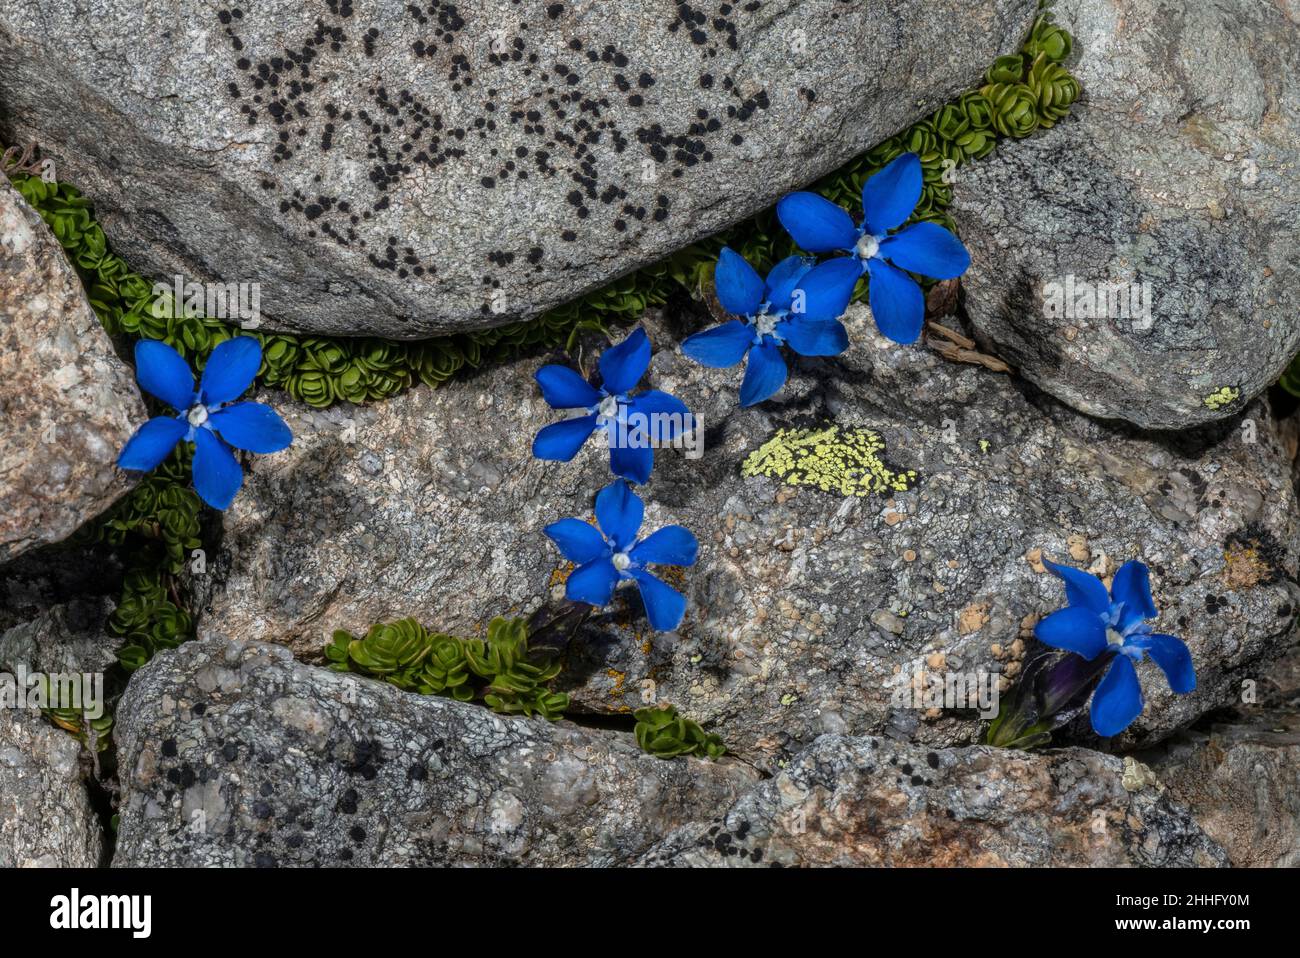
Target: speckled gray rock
{"points": [[46, 819], [412, 169], [1239, 773], [872, 802], [67, 403], [1178, 169], [234, 754], [63, 638], [810, 612]]}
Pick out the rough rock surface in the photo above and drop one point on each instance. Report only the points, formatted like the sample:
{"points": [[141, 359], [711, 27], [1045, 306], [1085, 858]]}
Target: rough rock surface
{"points": [[872, 802], [1176, 169], [234, 754], [63, 638], [412, 169], [810, 612], [67, 403], [46, 819], [1239, 773]]}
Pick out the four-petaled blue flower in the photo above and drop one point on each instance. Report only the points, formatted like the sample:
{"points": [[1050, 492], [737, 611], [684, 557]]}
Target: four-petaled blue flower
{"points": [[783, 310], [603, 561], [203, 413], [1096, 623], [632, 423], [888, 199]]}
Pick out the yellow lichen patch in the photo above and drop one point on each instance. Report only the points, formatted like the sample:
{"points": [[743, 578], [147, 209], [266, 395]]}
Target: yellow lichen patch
{"points": [[844, 461], [1222, 397], [674, 575], [560, 574], [619, 679], [1243, 566]]}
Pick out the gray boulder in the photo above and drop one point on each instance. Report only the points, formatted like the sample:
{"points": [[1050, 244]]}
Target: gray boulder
{"points": [[235, 754], [46, 818], [68, 404], [1238, 773], [408, 170], [63, 638], [873, 802], [1173, 180], [810, 611]]}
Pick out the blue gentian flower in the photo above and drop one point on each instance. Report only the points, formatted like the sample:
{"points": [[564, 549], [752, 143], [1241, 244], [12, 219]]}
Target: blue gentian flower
{"points": [[1096, 623], [203, 413], [888, 199], [603, 561], [631, 423], [782, 310]]}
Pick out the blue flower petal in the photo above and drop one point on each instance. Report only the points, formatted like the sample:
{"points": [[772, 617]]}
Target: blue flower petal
{"points": [[808, 338], [1082, 588], [890, 196], [152, 442], [252, 426], [162, 372], [1075, 629], [562, 388], [665, 416], [740, 289], [592, 583], [580, 542], [664, 605], [1175, 660], [825, 290], [217, 476], [1118, 699], [1132, 586], [632, 462], [720, 346], [897, 303], [230, 370], [622, 366], [928, 249], [782, 280], [764, 374], [671, 545], [560, 441], [619, 511], [817, 224]]}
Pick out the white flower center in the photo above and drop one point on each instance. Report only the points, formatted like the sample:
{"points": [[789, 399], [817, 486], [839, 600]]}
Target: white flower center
{"points": [[867, 247], [608, 407], [197, 415], [1114, 638], [765, 324], [621, 561]]}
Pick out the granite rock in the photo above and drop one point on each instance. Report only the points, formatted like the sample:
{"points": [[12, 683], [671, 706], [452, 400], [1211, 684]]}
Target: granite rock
{"points": [[67, 403], [235, 754], [1138, 260], [872, 802], [810, 611], [1238, 772], [46, 817], [407, 170]]}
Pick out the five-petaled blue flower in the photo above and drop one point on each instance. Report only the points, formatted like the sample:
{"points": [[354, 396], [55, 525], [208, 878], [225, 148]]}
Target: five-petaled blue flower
{"points": [[888, 199], [203, 413], [632, 424], [784, 309], [1096, 623], [605, 560]]}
